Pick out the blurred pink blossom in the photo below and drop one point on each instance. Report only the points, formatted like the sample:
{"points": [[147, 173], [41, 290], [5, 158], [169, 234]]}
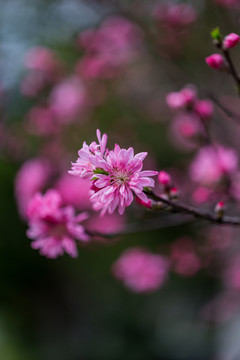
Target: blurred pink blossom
{"points": [[228, 3], [215, 61], [31, 178], [140, 270], [109, 48], [231, 275], [68, 99], [231, 40], [212, 164], [175, 15], [201, 195], [106, 224], [182, 98], [186, 128], [41, 121], [43, 69], [204, 108], [42, 59], [53, 228], [184, 259], [74, 191]]}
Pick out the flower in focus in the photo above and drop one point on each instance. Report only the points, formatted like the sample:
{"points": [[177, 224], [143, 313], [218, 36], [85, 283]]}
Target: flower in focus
{"points": [[54, 228], [140, 270], [117, 175]]}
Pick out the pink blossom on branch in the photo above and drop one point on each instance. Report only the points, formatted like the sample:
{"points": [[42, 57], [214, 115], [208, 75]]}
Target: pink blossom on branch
{"points": [[215, 61], [140, 270], [116, 174], [231, 40], [53, 228]]}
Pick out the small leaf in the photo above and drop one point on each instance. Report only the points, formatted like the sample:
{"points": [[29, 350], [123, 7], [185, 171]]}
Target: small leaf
{"points": [[216, 35], [100, 171]]}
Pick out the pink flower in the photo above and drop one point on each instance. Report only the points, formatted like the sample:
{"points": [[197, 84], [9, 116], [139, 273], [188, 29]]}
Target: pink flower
{"points": [[231, 40], [185, 130], [117, 175], [31, 178], [68, 99], [228, 3], [231, 275], [106, 224], [53, 228], [185, 260], [42, 59], [211, 164], [182, 98], [215, 61], [175, 100], [175, 14], [147, 204], [201, 195], [164, 178], [204, 108], [140, 270], [109, 48], [43, 69], [41, 121], [74, 191]]}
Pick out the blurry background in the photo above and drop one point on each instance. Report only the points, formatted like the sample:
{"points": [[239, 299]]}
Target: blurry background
{"points": [[74, 308]]}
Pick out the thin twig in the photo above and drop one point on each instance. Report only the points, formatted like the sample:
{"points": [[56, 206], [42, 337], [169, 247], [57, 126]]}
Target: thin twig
{"points": [[195, 212], [229, 113], [232, 69]]}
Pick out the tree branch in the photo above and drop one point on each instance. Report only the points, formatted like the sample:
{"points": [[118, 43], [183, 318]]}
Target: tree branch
{"points": [[195, 212]]}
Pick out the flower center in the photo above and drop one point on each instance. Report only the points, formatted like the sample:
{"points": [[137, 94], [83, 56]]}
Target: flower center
{"points": [[120, 176]]}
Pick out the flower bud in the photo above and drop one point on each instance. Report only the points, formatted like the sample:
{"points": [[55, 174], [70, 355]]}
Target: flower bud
{"points": [[173, 193], [215, 61], [147, 204], [220, 209], [230, 41], [164, 178], [204, 108], [175, 100]]}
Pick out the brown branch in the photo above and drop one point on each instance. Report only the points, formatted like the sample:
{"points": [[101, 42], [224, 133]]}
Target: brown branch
{"points": [[229, 113], [195, 212], [232, 69]]}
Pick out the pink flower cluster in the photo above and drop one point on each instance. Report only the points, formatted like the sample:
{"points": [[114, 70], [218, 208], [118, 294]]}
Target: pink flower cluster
{"points": [[32, 177], [192, 114], [217, 61], [172, 23], [228, 3], [53, 228], [184, 259], [213, 164], [140, 270], [109, 48], [116, 174], [176, 15], [43, 69]]}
